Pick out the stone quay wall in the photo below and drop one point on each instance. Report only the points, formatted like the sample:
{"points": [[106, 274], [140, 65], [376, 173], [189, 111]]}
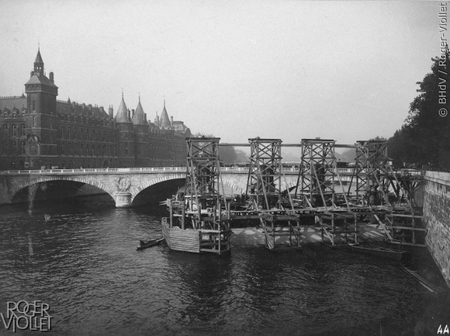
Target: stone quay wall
{"points": [[436, 217]]}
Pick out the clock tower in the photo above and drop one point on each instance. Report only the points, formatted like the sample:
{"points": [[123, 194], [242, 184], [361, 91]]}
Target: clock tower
{"points": [[42, 126]]}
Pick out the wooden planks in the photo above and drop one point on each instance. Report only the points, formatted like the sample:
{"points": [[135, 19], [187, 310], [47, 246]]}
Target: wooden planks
{"points": [[177, 239]]}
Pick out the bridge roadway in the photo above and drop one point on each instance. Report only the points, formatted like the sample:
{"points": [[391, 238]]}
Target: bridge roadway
{"points": [[122, 184]]}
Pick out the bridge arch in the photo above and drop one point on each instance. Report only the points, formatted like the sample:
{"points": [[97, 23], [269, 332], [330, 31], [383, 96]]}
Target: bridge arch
{"points": [[178, 179], [35, 180]]}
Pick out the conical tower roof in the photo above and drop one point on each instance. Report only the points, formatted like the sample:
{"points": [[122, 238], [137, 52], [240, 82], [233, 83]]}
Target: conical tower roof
{"points": [[164, 120], [139, 117], [122, 114], [38, 57]]}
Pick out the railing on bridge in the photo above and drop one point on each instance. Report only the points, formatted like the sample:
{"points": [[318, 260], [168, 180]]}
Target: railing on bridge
{"points": [[345, 173], [95, 170]]}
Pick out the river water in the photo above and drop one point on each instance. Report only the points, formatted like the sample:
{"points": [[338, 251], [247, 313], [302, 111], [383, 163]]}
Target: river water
{"points": [[83, 262]]}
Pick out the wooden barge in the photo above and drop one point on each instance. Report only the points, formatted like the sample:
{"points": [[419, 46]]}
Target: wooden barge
{"points": [[195, 240]]}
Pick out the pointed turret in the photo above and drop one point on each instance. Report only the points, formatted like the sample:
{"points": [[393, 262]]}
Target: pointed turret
{"points": [[164, 121], [139, 115], [122, 112]]}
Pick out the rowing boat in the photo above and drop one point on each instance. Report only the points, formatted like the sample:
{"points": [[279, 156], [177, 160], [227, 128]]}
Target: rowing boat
{"points": [[149, 243], [379, 251]]}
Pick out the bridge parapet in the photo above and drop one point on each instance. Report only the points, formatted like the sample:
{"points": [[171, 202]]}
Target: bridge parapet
{"points": [[96, 170], [115, 180]]}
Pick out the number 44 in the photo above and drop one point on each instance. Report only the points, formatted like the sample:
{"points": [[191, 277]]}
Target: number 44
{"points": [[443, 330]]}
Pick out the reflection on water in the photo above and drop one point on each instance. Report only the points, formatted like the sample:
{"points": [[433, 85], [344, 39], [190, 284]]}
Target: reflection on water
{"points": [[82, 260]]}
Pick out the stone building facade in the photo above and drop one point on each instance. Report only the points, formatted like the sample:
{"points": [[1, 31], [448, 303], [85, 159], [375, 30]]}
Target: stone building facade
{"points": [[38, 131]]}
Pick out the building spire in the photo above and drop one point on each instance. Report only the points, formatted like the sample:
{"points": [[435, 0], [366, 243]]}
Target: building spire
{"points": [[39, 64]]}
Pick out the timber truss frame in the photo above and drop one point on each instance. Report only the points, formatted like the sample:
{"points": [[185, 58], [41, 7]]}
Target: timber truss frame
{"points": [[372, 172], [265, 171], [203, 169], [265, 196], [317, 171]]}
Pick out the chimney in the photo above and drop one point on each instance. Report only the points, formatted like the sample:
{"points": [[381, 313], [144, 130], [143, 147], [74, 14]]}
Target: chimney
{"points": [[171, 121], [31, 73], [111, 111], [128, 114], [51, 77]]}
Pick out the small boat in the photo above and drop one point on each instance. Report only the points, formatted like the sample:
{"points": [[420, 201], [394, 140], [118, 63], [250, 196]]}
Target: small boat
{"points": [[149, 243], [379, 251]]}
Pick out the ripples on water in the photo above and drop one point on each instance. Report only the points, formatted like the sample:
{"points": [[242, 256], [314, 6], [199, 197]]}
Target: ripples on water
{"points": [[83, 262]]}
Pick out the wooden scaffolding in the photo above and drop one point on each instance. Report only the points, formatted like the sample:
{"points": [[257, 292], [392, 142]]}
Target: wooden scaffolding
{"points": [[198, 211], [388, 195], [317, 180], [265, 196]]}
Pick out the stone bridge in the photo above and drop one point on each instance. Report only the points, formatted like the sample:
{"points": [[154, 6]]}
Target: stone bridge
{"points": [[122, 184]]}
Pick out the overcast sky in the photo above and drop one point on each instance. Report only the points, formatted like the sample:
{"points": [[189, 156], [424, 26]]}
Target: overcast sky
{"points": [[235, 69]]}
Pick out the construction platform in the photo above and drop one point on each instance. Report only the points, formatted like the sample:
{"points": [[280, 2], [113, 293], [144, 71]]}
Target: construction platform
{"points": [[377, 205]]}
